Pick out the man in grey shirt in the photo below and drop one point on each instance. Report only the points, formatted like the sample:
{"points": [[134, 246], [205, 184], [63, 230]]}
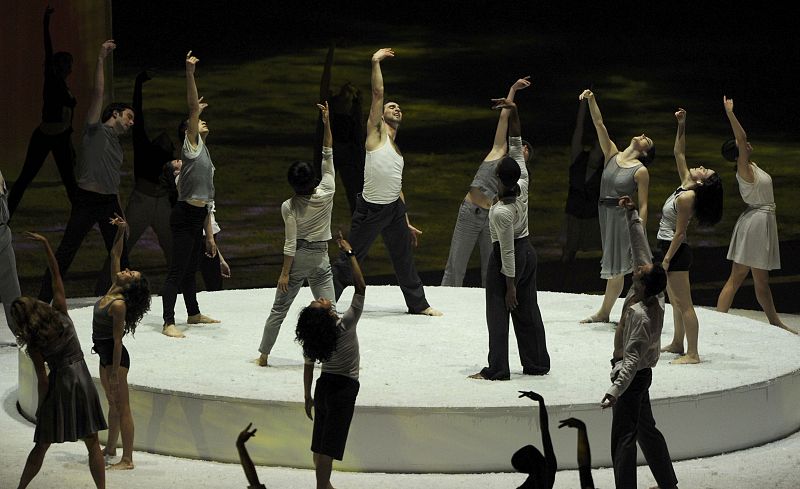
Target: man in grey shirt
{"points": [[636, 351], [333, 341], [98, 176]]}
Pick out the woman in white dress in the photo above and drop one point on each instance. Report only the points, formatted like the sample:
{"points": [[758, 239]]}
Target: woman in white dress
{"points": [[754, 244]]}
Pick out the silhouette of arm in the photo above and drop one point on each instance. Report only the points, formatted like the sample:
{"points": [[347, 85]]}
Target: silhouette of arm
{"points": [[547, 443], [244, 458]]}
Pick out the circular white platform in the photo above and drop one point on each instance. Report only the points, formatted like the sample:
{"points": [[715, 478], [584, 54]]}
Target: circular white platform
{"points": [[416, 410]]}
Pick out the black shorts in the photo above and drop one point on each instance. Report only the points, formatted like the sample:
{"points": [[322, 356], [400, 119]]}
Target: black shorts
{"points": [[334, 402], [682, 259], [105, 350]]}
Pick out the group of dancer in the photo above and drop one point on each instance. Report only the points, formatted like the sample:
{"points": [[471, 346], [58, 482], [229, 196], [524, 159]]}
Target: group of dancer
{"points": [[494, 215]]}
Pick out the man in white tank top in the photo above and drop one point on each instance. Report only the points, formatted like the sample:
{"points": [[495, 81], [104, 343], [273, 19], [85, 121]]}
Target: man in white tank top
{"points": [[381, 207]]}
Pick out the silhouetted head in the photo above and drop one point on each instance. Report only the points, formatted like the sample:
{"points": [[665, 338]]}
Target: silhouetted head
{"points": [[529, 460], [316, 330], [730, 150], [62, 64], [164, 145], [37, 323], [708, 196], [651, 279], [302, 178], [508, 173]]}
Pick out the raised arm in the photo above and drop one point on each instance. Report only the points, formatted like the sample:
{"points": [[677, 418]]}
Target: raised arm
{"points": [[96, 101], [59, 297], [244, 457], [139, 133], [584, 452], [500, 143], [328, 180], [359, 285], [119, 243], [192, 100], [48, 42], [547, 442], [606, 144], [743, 168], [642, 178], [576, 145], [375, 119], [514, 135], [639, 245], [325, 81], [680, 146]]}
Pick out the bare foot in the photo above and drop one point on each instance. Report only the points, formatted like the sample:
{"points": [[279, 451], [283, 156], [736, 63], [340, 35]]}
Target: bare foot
{"points": [[787, 328], [594, 318], [677, 349], [261, 361], [478, 376], [686, 360], [431, 312], [171, 331], [122, 465], [201, 319]]}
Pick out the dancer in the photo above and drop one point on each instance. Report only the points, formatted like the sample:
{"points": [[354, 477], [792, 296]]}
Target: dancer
{"points": [[636, 352], [382, 208], [584, 452], [9, 281], [700, 194], [754, 244], [54, 133], [191, 213], [529, 460], [581, 227], [624, 172], [244, 458], [98, 171], [472, 224], [307, 221], [348, 133], [148, 204], [333, 341], [511, 272], [116, 314], [69, 407]]}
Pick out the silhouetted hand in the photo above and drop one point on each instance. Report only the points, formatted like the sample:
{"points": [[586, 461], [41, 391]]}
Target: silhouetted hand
{"points": [[535, 396], [572, 423], [143, 76], [309, 404], [245, 435]]}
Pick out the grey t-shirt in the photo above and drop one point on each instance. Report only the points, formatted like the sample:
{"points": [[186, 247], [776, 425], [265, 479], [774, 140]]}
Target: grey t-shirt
{"points": [[99, 165], [196, 181], [346, 359]]}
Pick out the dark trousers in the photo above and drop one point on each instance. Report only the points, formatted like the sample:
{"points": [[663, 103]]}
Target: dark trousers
{"points": [[209, 267], [633, 421], [349, 163], [388, 220], [528, 325], [186, 223], [88, 209], [39, 147]]}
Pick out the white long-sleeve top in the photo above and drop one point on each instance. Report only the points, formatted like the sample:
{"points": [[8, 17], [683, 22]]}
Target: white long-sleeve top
{"points": [[509, 221], [641, 322], [308, 217]]}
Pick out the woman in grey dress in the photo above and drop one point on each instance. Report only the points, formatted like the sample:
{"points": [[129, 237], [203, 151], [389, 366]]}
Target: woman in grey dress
{"points": [[69, 407], [624, 173], [754, 245]]}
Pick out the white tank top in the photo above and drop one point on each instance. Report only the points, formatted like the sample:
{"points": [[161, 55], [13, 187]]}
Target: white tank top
{"points": [[383, 175]]}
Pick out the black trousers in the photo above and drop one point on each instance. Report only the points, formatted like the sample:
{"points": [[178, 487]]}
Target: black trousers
{"points": [[388, 220], [186, 223], [349, 163], [39, 146], [88, 209], [633, 421], [528, 325]]}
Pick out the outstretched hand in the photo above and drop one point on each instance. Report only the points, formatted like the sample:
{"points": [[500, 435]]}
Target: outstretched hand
{"points": [[502, 103], [246, 434], [191, 61], [586, 95], [681, 115], [382, 54], [626, 202], [36, 237], [727, 103], [522, 83], [106, 48], [202, 105], [323, 111], [572, 423], [309, 403], [535, 396]]}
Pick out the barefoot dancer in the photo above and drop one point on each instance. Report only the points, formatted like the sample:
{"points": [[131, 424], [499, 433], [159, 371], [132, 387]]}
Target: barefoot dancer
{"points": [[624, 172], [69, 407], [116, 314], [700, 194], [754, 244], [191, 213]]}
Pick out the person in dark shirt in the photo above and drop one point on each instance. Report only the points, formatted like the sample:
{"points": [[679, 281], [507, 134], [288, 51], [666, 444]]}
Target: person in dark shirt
{"points": [[54, 133], [529, 460]]}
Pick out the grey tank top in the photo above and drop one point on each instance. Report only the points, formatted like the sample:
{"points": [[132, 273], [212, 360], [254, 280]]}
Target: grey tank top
{"points": [[617, 181], [669, 217], [102, 323], [485, 179], [196, 180]]}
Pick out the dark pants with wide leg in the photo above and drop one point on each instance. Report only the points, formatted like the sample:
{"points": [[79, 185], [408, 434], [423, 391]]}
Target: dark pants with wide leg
{"points": [[88, 209], [528, 325], [633, 421], [186, 223], [388, 220]]}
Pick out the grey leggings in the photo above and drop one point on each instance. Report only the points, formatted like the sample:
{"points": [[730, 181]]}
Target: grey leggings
{"points": [[472, 226]]}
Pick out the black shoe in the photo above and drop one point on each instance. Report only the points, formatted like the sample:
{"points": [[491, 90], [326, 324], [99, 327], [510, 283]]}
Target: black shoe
{"points": [[536, 370]]}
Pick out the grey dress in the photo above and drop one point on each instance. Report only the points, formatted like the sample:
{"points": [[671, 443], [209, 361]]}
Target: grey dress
{"points": [[71, 408], [615, 183]]}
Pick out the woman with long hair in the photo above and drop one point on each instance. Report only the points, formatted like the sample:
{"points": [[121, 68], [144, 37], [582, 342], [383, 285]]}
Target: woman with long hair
{"points": [[69, 407], [700, 196], [116, 314], [754, 244], [624, 173]]}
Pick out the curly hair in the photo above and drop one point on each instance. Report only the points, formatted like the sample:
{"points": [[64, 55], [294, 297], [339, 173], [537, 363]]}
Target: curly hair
{"points": [[137, 302], [708, 201], [529, 460], [316, 333], [33, 317], [302, 178]]}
